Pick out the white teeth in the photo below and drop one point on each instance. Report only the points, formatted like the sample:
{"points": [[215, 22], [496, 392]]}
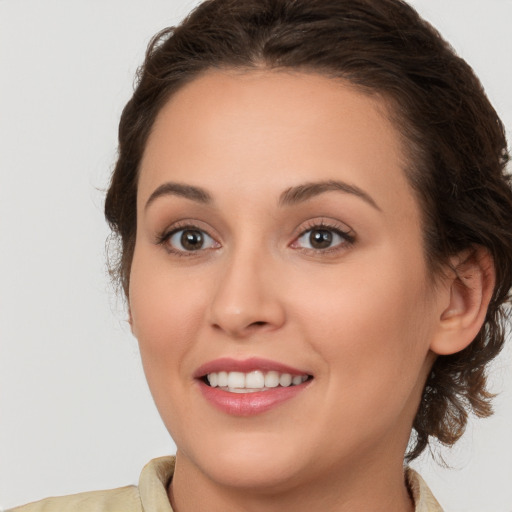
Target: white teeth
{"points": [[255, 379], [222, 379], [296, 380], [239, 382], [236, 380], [285, 380], [272, 380], [213, 379]]}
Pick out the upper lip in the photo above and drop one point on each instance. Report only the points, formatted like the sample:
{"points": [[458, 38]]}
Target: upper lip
{"points": [[227, 364]]}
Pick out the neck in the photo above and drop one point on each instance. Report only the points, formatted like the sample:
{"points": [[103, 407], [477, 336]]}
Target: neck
{"points": [[356, 487]]}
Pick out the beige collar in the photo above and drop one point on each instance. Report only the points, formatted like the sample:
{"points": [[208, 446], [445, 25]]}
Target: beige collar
{"points": [[423, 498]]}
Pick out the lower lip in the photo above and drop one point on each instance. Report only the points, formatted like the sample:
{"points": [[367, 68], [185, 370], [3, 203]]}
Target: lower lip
{"points": [[249, 404]]}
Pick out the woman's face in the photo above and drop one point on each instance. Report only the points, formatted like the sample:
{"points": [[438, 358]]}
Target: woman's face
{"points": [[278, 240]]}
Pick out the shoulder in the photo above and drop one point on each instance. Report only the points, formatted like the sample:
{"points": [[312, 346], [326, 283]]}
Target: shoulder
{"points": [[125, 498], [151, 494]]}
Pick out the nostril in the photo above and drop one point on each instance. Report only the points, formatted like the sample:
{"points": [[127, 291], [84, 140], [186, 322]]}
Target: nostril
{"points": [[257, 324]]}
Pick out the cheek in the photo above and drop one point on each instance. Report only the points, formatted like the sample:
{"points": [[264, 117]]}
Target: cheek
{"points": [[166, 311], [371, 338], [371, 325]]}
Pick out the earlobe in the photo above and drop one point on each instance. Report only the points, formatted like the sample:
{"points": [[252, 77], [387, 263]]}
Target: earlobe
{"points": [[470, 289]]}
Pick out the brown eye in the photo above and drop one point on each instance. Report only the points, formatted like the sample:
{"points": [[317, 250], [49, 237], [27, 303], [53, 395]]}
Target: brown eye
{"points": [[320, 238], [190, 239]]}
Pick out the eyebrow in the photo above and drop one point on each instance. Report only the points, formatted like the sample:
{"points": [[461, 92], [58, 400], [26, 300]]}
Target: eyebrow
{"points": [[289, 197], [301, 193], [178, 189]]}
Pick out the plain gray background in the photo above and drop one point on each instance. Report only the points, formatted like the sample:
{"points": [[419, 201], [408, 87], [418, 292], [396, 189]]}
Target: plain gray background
{"points": [[75, 412]]}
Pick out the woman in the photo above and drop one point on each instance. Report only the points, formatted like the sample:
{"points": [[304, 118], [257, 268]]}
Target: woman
{"points": [[316, 250]]}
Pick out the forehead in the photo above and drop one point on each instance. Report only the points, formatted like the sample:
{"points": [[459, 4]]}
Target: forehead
{"points": [[276, 129]]}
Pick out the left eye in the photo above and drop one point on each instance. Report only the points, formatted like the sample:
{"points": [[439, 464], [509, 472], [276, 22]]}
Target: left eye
{"points": [[190, 239], [320, 238]]}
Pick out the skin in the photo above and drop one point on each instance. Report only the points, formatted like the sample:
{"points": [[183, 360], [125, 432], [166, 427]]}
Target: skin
{"points": [[362, 318]]}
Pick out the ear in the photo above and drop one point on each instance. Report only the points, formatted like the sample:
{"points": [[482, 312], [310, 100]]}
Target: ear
{"points": [[130, 318], [469, 289]]}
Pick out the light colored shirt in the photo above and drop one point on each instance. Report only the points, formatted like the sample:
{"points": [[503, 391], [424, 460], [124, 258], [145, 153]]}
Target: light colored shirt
{"points": [[151, 494]]}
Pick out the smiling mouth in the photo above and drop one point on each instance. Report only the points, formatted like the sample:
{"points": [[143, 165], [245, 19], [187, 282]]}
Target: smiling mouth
{"points": [[253, 381]]}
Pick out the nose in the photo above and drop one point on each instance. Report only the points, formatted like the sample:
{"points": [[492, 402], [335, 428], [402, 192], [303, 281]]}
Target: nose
{"points": [[247, 298]]}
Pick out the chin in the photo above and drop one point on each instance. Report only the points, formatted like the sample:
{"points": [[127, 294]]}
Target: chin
{"points": [[255, 463]]}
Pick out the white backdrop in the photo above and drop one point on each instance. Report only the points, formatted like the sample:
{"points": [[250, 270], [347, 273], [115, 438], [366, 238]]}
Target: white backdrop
{"points": [[75, 413]]}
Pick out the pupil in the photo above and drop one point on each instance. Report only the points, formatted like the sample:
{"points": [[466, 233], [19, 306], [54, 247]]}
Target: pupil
{"points": [[320, 238], [192, 240]]}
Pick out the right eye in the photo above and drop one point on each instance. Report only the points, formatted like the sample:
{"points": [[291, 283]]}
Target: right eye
{"points": [[189, 239]]}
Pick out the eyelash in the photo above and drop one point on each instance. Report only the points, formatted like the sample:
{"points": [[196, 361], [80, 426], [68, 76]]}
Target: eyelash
{"points": [[347, 236], [164, 237]]}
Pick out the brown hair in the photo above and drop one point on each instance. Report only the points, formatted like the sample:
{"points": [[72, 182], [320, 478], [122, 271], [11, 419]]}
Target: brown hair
{"points": [[456, 143]]}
